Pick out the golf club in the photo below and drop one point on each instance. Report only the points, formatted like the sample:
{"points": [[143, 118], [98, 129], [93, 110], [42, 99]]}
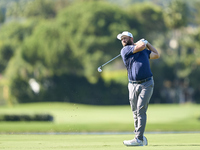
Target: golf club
{"points": [[100, 67]]}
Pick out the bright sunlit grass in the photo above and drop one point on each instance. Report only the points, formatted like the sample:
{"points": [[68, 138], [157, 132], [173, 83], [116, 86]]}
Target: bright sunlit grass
{"points": [[189, 141]]}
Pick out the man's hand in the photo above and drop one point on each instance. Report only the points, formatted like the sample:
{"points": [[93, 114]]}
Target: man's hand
{"points": [[139, 46], [143, 40], [139, 41], [142, 44]]}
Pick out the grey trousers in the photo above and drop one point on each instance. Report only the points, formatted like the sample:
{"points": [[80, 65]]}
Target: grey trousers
{"points": [[139, 97]]}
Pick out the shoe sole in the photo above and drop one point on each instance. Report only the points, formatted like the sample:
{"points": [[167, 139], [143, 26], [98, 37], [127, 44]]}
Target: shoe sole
{"points": [[132, 145]]}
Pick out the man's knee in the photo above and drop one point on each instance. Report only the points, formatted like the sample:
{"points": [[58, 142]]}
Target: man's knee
{"points": [[141, 111]]}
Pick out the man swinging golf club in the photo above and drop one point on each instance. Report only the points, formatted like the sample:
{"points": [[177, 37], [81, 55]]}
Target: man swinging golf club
{"points": [[136, 59]]}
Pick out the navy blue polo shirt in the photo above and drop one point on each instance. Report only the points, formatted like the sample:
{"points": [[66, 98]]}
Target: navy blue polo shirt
{"points": [[137, 64]]}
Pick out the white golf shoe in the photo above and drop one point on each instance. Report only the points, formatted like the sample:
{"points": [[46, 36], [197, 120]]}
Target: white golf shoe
{"points": [[136, 142], [145, 142], [133, 142]]}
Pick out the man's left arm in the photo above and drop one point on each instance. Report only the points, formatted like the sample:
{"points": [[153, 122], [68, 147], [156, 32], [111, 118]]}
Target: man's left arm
{"points": [[154, 53]]}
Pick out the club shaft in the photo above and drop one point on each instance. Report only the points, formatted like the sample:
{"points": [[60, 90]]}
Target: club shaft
{"points": [[110, 60]]}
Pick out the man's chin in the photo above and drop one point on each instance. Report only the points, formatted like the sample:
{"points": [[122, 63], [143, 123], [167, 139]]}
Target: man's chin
{"points": [[127, 44]]}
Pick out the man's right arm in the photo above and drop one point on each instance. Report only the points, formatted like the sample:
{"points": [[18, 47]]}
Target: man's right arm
{"points": [[154, 53], [139, 46]]}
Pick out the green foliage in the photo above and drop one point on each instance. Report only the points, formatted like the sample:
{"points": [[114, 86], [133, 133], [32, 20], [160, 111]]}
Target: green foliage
{"points": [[48, 46], [2, 15], [17, 32], [18, 85], [60, 44], [118, 76], [176, 13], [92, 28], [31, 8], [68, 88], [195, 13], [6, 52], [11, 38], [147, 19], [40, 8]]}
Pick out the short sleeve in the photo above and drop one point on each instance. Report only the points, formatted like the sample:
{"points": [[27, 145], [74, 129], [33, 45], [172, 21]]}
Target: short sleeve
{"points": [[127, 50]]}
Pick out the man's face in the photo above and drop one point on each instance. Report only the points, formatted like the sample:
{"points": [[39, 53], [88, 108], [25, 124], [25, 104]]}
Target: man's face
{"points": [[126, 40]]}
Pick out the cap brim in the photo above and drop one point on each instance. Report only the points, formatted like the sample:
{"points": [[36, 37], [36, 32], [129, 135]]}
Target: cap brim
{"points": [[119, 36]]}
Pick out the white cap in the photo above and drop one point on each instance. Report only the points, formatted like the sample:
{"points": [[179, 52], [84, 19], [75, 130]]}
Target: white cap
{"points": [[119, 36]]}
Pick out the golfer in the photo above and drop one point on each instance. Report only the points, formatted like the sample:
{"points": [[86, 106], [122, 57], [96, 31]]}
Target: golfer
{"points": [[136, 59]]}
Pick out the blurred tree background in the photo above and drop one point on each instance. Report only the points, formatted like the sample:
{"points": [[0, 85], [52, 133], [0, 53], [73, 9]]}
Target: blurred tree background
{"points": [[50, 49]]}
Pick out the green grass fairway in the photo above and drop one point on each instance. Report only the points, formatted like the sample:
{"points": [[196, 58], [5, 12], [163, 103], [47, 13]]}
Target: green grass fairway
{"points": [[87, 118], [100, 142]]}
